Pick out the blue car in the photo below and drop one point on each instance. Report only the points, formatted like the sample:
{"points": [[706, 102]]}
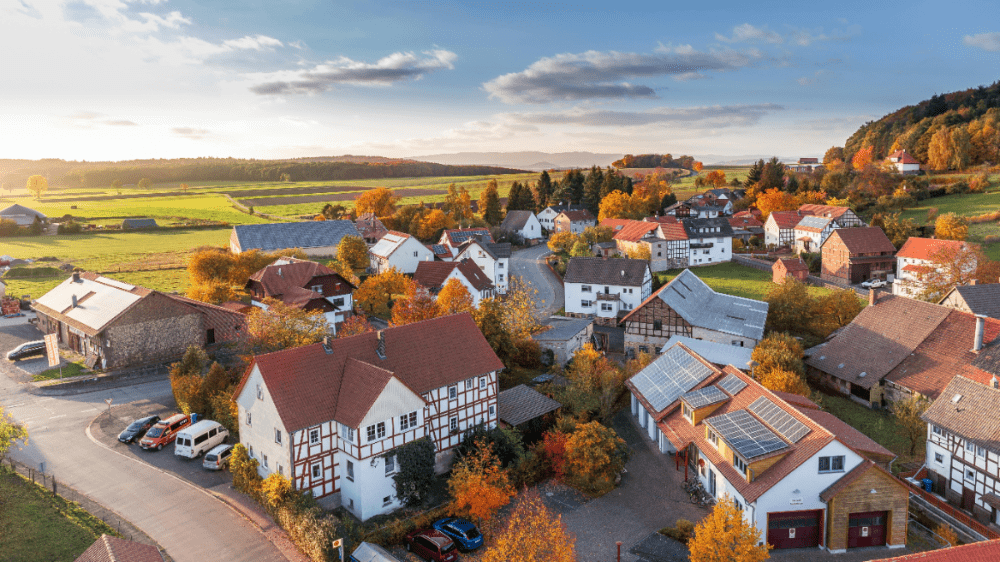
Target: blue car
{"points": [[465, 534]]}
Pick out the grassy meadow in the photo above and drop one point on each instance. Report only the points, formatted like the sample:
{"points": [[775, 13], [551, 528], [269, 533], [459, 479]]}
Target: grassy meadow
{"points": [[733, 279], [969, 204]]}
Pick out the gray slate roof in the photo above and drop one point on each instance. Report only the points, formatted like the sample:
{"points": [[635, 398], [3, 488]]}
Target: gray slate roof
{"points": [[283, 235], [974, 416], [813, 222], [694, 226], [522, 404], [981, 299], [20, 214], [515, 220], [605, 271], [563, 330], [713, 352], [499, 249], [700, 306]]}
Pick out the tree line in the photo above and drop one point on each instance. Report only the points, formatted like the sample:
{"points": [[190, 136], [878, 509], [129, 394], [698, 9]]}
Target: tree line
{"points": [[657, 161]]}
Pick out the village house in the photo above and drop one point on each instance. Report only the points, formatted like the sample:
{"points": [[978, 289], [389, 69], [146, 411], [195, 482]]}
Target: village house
{"points": [[328, 416], [789, 267], [315, 238], [803, 165], [664, 237], [746, 226], [399, 250], [547, 216], [917, 258], [432, 275], [455, 237], [305, 285], [974, 298], [811, 232], [802, 484], [688, 307], [718, 354], [904, 162], [491, 257], [710, 240], [853, 255], [565, 337], [605, 288], [779, 228], [370, 228], [574, 221], [115, 325], [843, 217], [523, 224]]}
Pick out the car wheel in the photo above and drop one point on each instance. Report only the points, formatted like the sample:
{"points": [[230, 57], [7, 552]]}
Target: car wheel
{"points": [[409, 548], [159, 447]]}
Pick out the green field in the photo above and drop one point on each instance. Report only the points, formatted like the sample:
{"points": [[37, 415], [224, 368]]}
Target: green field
{"points": [[35, 526], [969, 204], [733, 279]]}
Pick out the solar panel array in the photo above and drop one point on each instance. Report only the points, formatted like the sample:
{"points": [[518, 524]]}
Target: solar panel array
{"points": [[672, 374], [732, 384], [782, 422], [746, 435], [704, 397]]}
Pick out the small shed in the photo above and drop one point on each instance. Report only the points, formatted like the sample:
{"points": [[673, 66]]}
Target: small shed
{"points": [[564, 337], [138, 224], [789, 267], [368, 552], [606, 249], [522, 404]]}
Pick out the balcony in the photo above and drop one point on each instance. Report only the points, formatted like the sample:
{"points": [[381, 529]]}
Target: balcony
{"points": [[702, 245]]}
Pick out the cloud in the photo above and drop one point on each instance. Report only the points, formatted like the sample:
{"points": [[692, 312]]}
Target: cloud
{"points": [[257, 43], [322, 77], [609, 75], [91, 119], [692, 117], [985, 41], [190, 132], [810, 80], [747, 33], [470, 135]]}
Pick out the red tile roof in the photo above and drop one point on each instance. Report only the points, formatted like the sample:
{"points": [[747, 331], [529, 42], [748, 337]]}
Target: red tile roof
{"points": [[433, 274], [745, 221], [665, 219], [674, 231], [276, 279], [305, 382], [925, 248], [576, 216], [786, 220], [828, 211], [633, 231], [903, 157], [796, 400], [986, 551], [112, 549], [748, 213], [863, 240], [793, 264], [615, 224]]}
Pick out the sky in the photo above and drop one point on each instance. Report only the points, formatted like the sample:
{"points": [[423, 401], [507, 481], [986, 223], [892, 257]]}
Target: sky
{"points": [[125, 79]]}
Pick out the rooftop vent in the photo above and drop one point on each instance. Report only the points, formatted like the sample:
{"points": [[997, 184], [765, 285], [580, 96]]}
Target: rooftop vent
{"points": [[380, 350], [956, 398], [841, 366], [863, 375]]}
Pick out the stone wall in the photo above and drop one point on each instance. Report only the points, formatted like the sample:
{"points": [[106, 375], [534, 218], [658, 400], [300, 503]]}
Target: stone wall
{"points": [[156, 329]]}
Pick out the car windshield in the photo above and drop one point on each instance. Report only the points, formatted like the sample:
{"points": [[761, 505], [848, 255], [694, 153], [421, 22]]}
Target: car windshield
{"points": [[155, 432], [448, 548], [136, 425], [472, 533], [210, 458]]}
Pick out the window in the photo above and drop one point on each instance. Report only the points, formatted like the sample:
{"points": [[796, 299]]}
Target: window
{"points": [[657, 324], [406, 421], [939, 458], [318, 289], [492, 410], [500, 278], [482, 383], [453, 392], [313, 436], [453, 424], [281, 470], [686, 410], [386, 501], [263, 460], [969, 446], [606, 306], [500, 264], [347, 433], [317, 470], [414, 253], [277, 436], [980, 452], [350, 473], [250, 450], [831, 464], [585, 303], [375, 431], [469, 383], [248, 418], [643, 349], [390, 465], [969, 474], [585, 288], [338, 302], [713, 438], [739, 464], [260, 392]]}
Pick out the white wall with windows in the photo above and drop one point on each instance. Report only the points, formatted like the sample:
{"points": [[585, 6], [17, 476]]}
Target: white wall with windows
{"points": [[581, 298], [261, 429]]}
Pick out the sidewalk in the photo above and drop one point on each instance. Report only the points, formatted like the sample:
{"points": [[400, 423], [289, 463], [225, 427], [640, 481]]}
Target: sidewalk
{"points": [[251, 511]]}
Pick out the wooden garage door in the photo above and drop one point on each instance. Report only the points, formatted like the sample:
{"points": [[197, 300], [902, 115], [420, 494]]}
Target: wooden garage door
{"points": [[794, 529], [866, 529]]}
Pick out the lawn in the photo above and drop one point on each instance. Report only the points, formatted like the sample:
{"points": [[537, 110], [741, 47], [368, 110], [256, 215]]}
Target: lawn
{"points": [[37, 526], [166, 210], [970, 204], [881, 427], [733, 279], [68, 370]]}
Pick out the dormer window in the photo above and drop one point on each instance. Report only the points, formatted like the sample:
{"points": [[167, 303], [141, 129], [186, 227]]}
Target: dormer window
{"points": [[686, 410], [713, 438], [739, 464]]}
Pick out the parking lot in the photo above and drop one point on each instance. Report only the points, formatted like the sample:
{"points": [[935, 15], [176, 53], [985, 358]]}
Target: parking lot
{"points": [[14, 332]]}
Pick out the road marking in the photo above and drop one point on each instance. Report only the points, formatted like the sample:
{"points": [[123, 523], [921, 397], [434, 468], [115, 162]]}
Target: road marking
{"points": [[59, 416], [16, 405]]}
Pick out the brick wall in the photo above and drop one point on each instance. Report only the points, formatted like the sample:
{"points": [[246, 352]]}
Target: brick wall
{"points": [[155, 329], [836, 261], [857, 497]]}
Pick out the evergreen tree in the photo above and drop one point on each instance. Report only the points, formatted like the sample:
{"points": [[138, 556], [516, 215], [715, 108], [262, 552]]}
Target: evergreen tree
{"points": [[612, 182], [575, 180], [753, 175], [592, 190], [543, 190], [489, 204], [514, 197]]}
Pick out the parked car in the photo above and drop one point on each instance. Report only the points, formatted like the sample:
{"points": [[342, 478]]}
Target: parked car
{"points": [[137, 429], [27, 349], [873, 284], [195, 440], [464, 533], [368, 552], [431, 544], [164, 432], [218, 458]]}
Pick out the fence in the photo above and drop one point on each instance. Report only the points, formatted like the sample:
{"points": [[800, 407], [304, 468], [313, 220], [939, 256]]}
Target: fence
{"points": [[956, 514], [48, 481], [762, 265]]}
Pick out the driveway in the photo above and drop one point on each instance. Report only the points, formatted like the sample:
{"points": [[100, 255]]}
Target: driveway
{"points": [[14, 332], [529, 265]]}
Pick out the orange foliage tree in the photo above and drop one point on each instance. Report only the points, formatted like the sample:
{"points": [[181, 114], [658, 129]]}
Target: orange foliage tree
{"points": [[554, 449], [862, 158], [417, 306], [724, 536], [478, 485], [775, 200], [532, 533], [374, 295], [353, 326], [716, 178], [381, 201], [454, 298], [595, 455]]}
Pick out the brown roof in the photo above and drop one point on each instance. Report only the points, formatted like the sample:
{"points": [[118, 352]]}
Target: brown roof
{"points": [[792, 264], [878, 339], [786, 220], [522, 404], [362, 384], [665, 219], [615, 224], [305, 382], [674, 231], [848, 435], [605, 271], [633, 231], [986, 551], [745, 221], [828, 211], [369, 226], [576, 216], [974, 416], [925, 248], [863, 240], [112, 549], [277, 279], [433, 274]]}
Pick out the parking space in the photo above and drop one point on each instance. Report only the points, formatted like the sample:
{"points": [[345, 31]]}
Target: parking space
{"points": [[14, 332]]}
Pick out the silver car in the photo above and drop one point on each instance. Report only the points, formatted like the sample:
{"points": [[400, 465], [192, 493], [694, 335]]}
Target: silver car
{"points": [[218, 457]]}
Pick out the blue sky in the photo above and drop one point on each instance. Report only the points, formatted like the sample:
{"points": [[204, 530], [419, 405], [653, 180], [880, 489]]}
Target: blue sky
{"points": [[121, 79]]}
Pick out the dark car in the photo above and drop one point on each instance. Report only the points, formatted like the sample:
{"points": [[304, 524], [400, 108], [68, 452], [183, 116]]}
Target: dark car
{"points": [[464, 533], [137, 429], [26, 349], [430, 544]]}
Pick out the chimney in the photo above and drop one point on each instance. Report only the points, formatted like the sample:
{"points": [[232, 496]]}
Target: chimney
{"points": [[76, 276], [995, 382], [74, 301], [872, 297], [980, 325], [380, 350], [972, 282], [326, 344]]}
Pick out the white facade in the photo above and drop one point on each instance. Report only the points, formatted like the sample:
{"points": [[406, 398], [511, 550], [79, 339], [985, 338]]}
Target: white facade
{"points": [[546, 218], [965, 465], [600, 300], [773, 235], [497, 269], [402, 253], [815, 239], [907, 284], [532, 229], [261, 428], [904, 168], [476, 294], [710, 248]]}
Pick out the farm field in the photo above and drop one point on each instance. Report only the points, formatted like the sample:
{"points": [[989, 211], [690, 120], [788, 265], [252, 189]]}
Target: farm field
{"points": [[166, 210], [734, 279]]}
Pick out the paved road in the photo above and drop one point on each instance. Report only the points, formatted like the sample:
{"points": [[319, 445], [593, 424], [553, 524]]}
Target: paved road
{"points": [[528, 264], [186, 521]]}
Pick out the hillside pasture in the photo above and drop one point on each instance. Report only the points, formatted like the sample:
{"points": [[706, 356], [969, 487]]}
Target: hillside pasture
{"points": [[968, 205], [166, 210]]}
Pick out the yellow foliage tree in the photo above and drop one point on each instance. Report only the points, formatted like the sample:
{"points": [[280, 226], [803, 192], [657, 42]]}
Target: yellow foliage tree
{"points": [[282, 327], [595, 455], [11, 432], [375, 294], [781, 380], [639, 253], [532, 533], [519, 307], [353, 252], [454, 298], [724, 536], [433, 223], [950, 226], [562, 242], [381, 201], [417, 306], [615, 205], [479, 485], [275, 489], [716, 178], [37, 186]]}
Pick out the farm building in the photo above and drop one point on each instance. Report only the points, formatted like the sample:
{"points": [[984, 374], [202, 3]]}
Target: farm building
{"points": [[23, 216], [315, 238], [853, 255], [789, 267], [522, 404], [564, 337], [137, 224]]}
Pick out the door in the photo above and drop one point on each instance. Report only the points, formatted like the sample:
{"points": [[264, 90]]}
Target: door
{"points": [[794, 529], [866, 529], [711, 482], [968, 499]]}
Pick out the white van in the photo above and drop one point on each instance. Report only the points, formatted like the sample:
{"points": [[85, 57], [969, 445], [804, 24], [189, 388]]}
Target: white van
{"points": [[200, 437]]}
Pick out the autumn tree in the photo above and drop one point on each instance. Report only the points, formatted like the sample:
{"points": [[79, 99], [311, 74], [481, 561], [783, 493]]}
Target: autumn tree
{"points": [[194, 390], [640, 252], [418, 305], [12, 433], [781, 380], [562, 242], [778, 351], [380, 200], [950, 226], [775, 200], [531, 533], [37, 186], [353, 326], [454, 297], [597, 234], [908, 414], [833, 153], [489, 204], [375, 294], [595, 455], [835, 310], [789, 307], [896, 228], [725, 536], [519, 307], [353, 251], [716, 178], [948, 267], [615, 205], [580, 249], [145, 183], [283, 327], [478, 485], [332, 212], [862, 158], [433, 224], [596, 385], [489, 317]]}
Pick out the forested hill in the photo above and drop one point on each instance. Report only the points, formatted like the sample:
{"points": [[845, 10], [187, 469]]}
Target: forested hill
{"points": [[100, 174], [970, 120]]}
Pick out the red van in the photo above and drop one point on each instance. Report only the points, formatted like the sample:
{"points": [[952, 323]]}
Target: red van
{"points": [[164, 432]]}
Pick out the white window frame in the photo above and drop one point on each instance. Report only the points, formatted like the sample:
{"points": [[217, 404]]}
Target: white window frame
{"points": [[453, 424], [390, 465], [314, 433], [585, 289], [263, 460], [492, 410], [453, 392], [260, 392], [316, 467], [386, 501], [277, 436], [939, 458], [469, 383], [482, 383], [350, 471], [970, 474], [347, 433]]}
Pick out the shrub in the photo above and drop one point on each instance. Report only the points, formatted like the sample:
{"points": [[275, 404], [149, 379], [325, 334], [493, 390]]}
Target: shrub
{"points": [[682, 531], [528, 354], [311, 529], [244, 469], [8, 228], [415, 475], [70, 227]]}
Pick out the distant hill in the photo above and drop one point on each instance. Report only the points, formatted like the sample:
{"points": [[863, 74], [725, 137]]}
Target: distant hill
{"points": [[525, 160], [976, 111]]}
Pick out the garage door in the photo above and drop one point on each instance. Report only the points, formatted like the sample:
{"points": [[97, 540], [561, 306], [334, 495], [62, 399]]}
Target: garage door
{"points": [[866, 529], [794, 529]]}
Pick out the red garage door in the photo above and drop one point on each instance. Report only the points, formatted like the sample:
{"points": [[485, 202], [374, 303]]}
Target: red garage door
{"points": [[866, 529], [794, 529]]}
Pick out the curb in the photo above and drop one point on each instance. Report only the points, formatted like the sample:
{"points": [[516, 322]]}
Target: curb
{"points": [[91, 384]]}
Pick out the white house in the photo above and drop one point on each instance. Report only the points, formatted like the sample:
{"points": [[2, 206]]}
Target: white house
{"points": [[547, 216], [455, 237], [779, 228], [844, 217], [329, 415], [432, 275], [797, 481], [492, 258], [709, 240], [811, 232], [574, 221], [605, 288], [904, 163], [916, 257], [522, 223], [398, 250]]}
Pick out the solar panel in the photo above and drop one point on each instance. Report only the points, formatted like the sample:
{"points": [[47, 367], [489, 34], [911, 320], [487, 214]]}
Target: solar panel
{"points": [[732, 384], [780, 420], [668, 377], [704, 397], [746, 435]]}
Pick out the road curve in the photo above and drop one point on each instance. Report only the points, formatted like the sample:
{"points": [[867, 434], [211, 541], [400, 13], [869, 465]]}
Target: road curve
{"points": [[530, 266]]}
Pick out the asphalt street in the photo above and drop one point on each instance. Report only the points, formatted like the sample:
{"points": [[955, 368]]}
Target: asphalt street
{"points": [[529, 265], [190, 524]]}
